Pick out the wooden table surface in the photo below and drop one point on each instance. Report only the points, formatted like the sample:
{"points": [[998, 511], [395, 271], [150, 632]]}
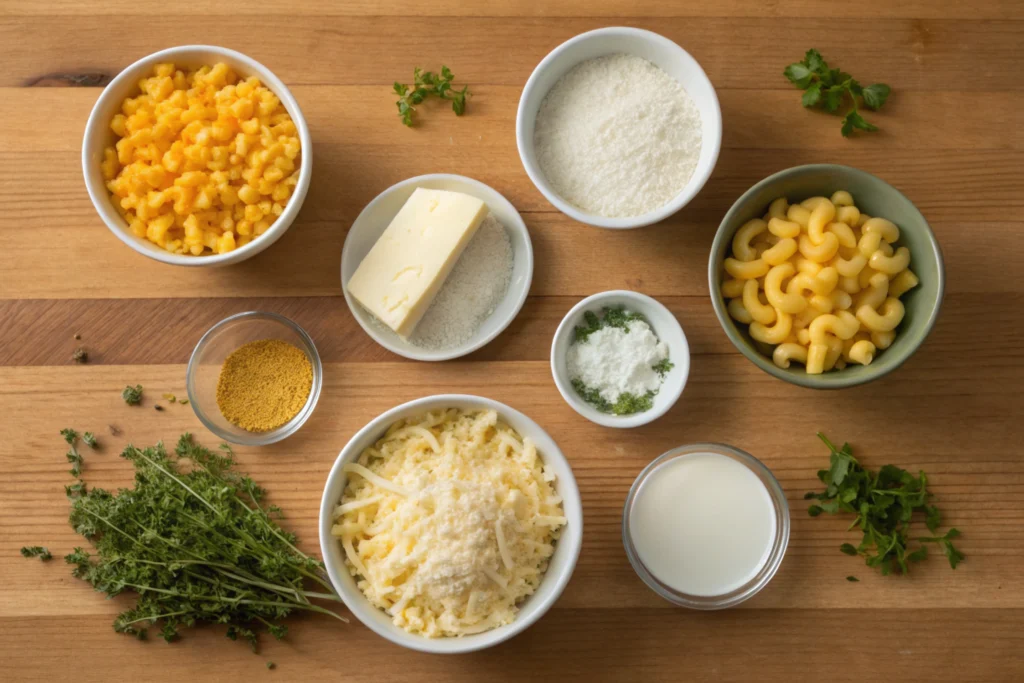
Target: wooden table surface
{"points": [[951, 139]]}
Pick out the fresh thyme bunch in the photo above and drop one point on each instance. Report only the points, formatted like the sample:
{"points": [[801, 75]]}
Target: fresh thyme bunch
{"points": [[194, 541]]}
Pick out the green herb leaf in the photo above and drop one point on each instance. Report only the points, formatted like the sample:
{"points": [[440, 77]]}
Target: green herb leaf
{"points": [[852, 579], [799, 75], [90, 440], [132, 395], [876, 95], [812, 95], [70, 435], [848, 549], [814, 61], [854, 120], [37, 551], [833, 98]]}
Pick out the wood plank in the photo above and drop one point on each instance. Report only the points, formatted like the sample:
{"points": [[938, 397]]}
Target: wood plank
{"points": [[567, 645], [912, 9], [41, 331], [981, 495], [55, 245], [364, 115], [926, 54]]}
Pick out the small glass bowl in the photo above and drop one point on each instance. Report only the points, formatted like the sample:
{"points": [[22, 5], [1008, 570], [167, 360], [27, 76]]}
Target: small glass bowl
{"points": [[215, 346], [771, 565]]}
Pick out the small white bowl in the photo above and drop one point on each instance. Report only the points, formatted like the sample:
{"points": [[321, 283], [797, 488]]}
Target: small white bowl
{"points": [[560, 567], [665, 327], [376, 217], [98, 137], [672, 59]]}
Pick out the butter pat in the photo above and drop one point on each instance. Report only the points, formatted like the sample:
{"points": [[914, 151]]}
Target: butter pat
{"points": [[398, 279]]}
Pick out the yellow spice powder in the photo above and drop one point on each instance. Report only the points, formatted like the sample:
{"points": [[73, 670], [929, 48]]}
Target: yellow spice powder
{"points": [[264, 384]]}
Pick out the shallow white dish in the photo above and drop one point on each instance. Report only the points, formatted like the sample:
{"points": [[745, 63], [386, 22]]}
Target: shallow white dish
{"points": [[672, 59], [374, 219], [560, 568], [665, 327], [98, 137]]}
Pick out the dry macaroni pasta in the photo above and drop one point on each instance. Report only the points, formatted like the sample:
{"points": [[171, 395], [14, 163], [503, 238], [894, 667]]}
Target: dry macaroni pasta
{"points": [[448, 522], [820, 281], [204, 162]]}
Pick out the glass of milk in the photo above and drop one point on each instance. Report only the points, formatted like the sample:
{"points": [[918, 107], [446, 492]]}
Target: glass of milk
{"points": [[706, 525]]}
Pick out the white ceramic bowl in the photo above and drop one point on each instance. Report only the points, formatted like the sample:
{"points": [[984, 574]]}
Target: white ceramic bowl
{"points": [[98, 137], [560, 568], [665, 327], [376, 217], [661, 51]]}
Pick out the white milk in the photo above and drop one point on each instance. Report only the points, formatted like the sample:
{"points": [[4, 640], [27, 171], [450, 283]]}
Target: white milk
{"points": [[703, 524]]}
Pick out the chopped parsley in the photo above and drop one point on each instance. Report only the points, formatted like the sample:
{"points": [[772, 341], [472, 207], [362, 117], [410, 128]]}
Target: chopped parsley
{"points": [[883, 504]]}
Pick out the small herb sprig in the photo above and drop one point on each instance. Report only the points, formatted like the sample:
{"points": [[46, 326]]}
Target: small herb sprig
{"points": [[37, 551], [884, 504], [429, 84], [828, 88], [73, 456], [132, 395]]}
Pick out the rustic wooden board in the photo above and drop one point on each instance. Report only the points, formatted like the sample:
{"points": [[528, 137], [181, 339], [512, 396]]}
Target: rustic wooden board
{"points": [[952, 140]]}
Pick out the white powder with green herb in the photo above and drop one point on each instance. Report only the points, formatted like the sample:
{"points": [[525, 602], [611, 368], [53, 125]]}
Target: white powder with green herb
{"points": [[614, 361], [617, 136]]}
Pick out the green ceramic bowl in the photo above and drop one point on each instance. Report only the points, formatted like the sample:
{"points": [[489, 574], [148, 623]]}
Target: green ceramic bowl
{"points": [[875, 197]]}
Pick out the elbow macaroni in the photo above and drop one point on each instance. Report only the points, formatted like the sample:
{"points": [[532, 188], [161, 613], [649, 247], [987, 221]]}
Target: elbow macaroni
{"points": [[820, 281], [204, 162]]}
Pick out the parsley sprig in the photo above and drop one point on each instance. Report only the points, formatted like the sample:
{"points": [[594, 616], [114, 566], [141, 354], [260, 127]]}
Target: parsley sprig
{"points": [[429, 84], [195, 542], [884, 504], [829, 88]]}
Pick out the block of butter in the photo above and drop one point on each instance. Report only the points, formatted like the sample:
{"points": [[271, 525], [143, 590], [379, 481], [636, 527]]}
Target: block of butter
{"points": [[406, 267]]}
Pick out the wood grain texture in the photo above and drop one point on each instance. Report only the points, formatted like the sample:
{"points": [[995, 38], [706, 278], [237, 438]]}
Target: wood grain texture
{"points": [[951, 139]]}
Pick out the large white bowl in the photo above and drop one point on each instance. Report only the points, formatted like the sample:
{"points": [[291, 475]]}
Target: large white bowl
{"points": [[376, 217], [665, 327], [662, 52], [560, 568], [98, 137]]}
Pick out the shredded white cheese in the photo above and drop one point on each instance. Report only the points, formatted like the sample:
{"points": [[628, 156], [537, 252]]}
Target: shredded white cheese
{"points": [[449, 522]]}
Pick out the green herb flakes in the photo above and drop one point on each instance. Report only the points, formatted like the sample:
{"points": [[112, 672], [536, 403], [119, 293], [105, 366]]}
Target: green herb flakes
{"points": [[37, 551], [883, 504]]}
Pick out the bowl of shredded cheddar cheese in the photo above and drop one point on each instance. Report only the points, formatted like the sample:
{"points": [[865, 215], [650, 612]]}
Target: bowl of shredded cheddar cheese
{"points": [[197, 156], [450, 523]]}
